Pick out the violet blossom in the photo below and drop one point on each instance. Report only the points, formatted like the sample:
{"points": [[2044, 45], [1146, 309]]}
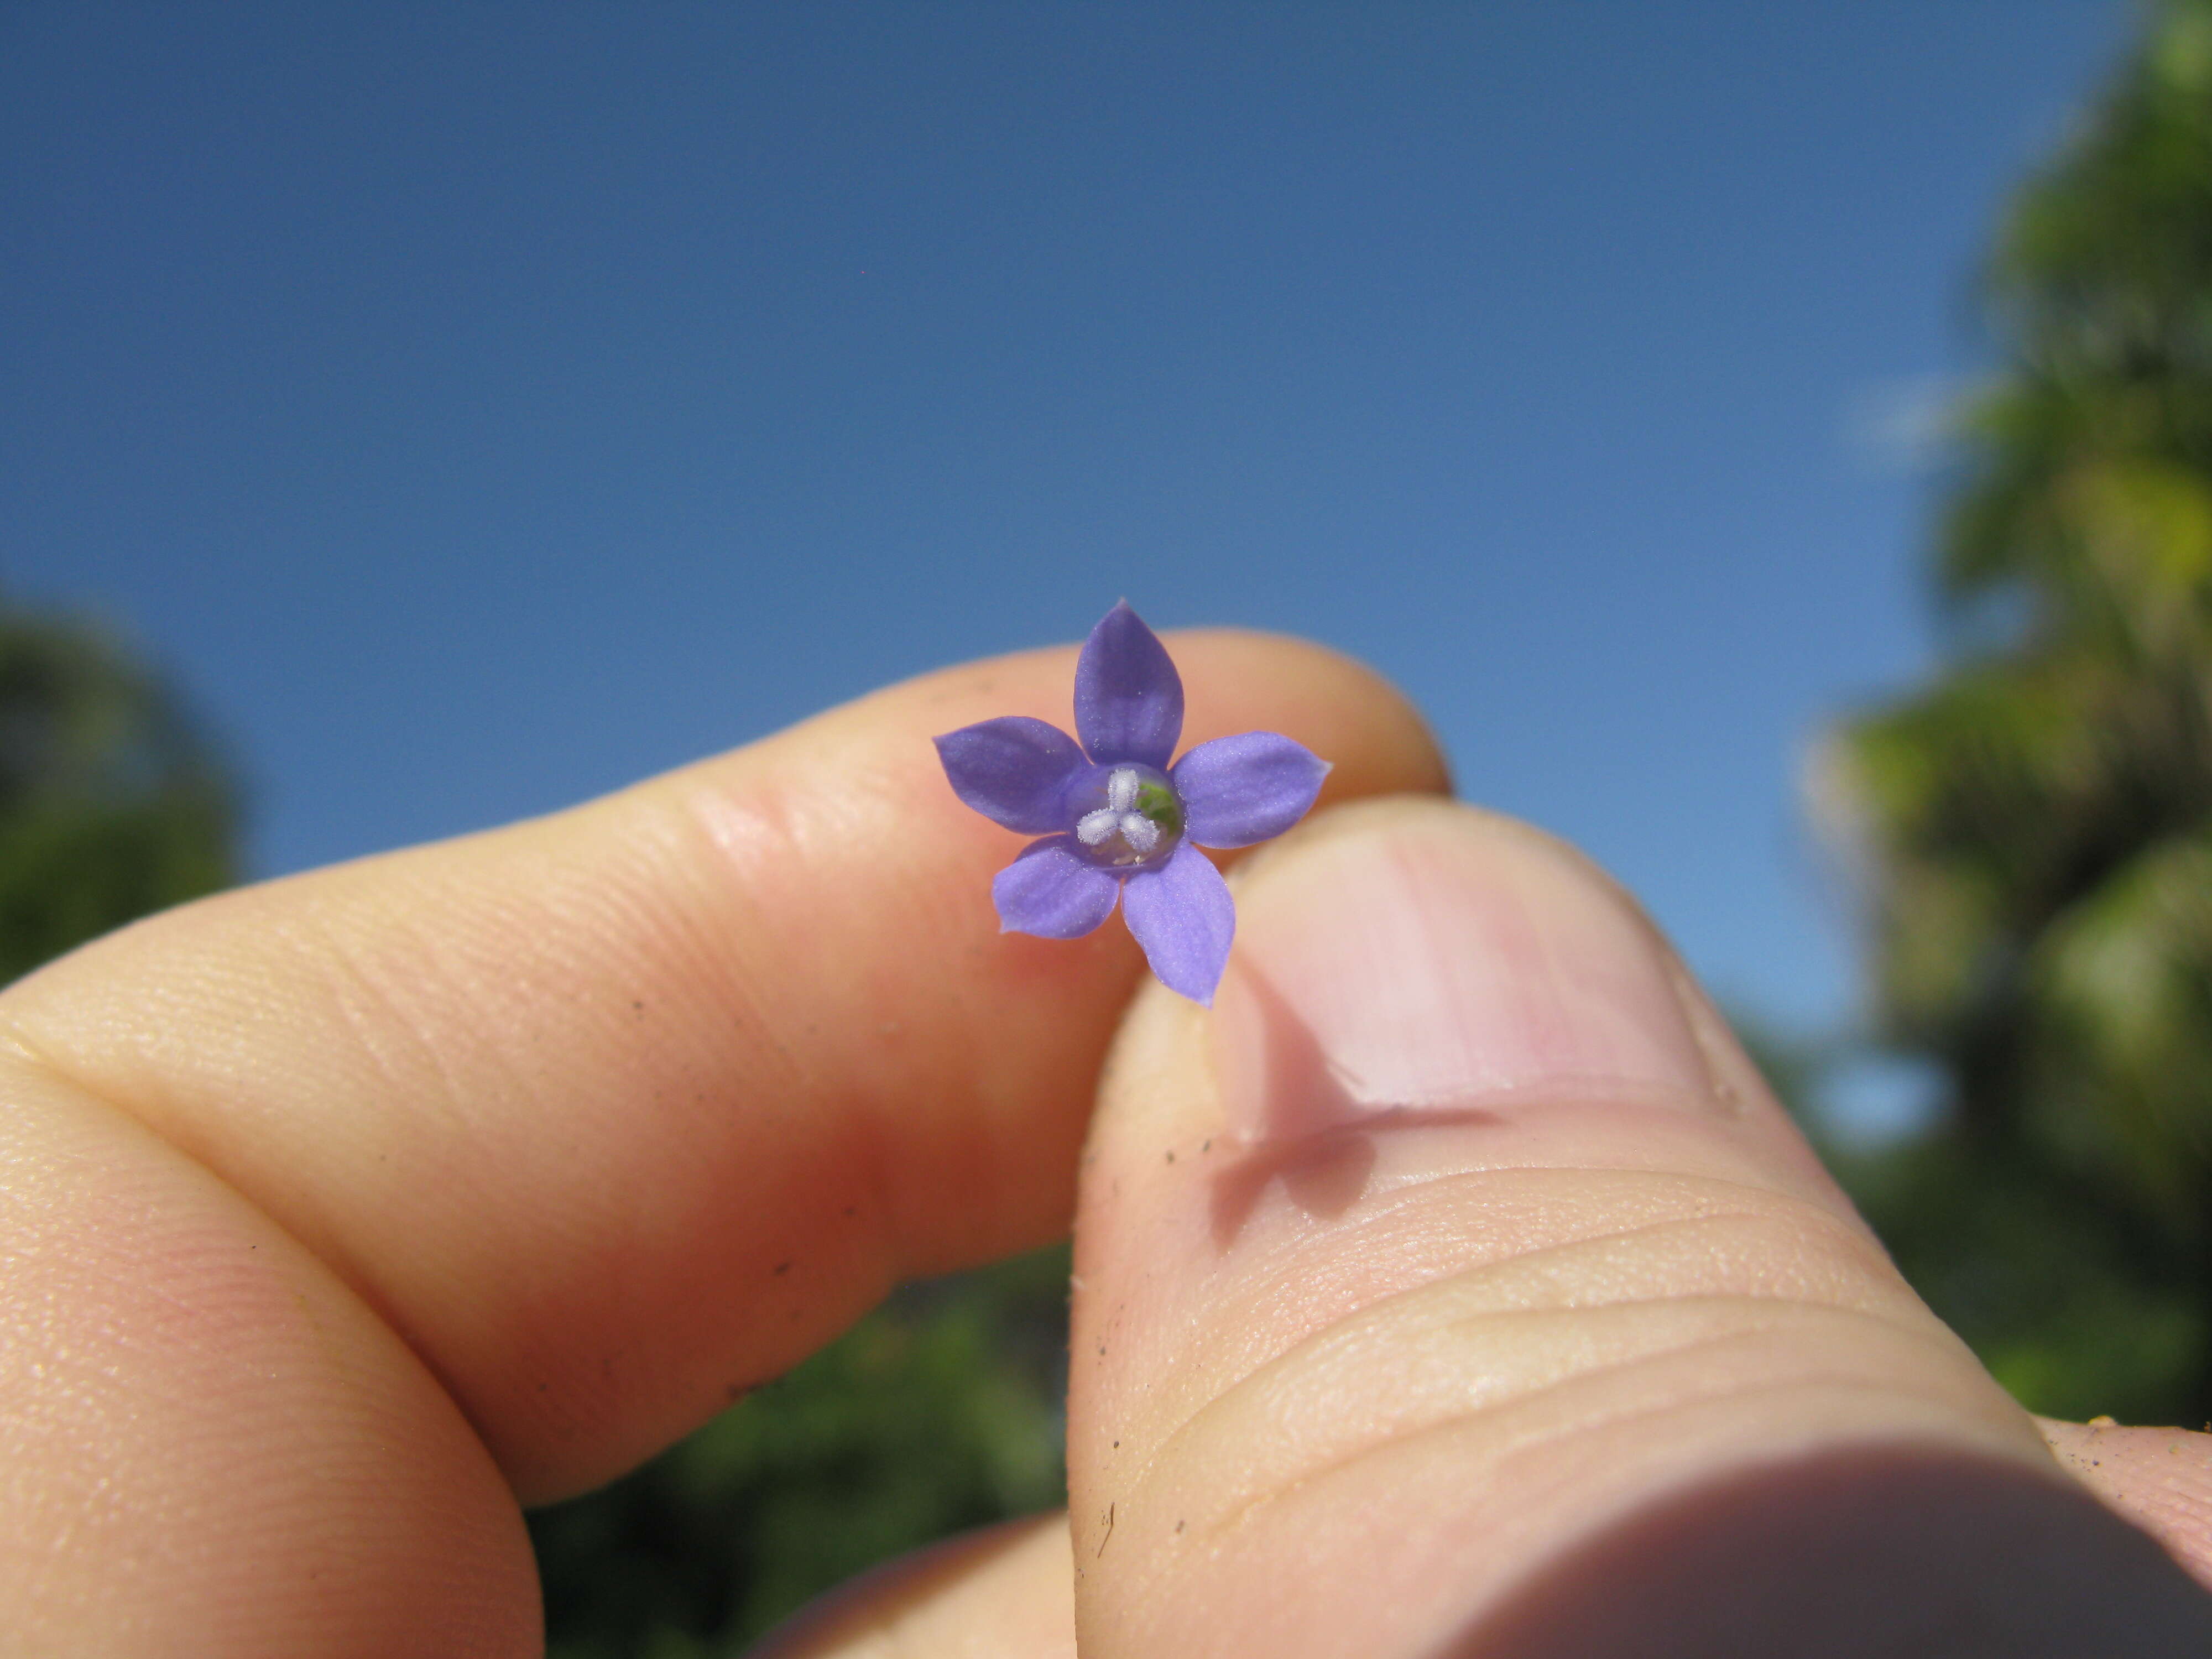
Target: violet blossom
{"points": [[1117, 821]]}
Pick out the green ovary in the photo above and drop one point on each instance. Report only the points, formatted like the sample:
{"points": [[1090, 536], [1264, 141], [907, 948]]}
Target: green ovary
{"points": [[1159, 803]]}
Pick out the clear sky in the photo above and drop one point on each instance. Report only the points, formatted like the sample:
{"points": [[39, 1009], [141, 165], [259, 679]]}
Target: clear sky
{"points": [[475, 408]]}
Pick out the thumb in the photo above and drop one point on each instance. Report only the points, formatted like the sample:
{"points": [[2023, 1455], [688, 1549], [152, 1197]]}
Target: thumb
{"points": [[1456, 1287]]}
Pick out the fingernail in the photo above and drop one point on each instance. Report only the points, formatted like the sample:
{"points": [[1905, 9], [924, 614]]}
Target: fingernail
{"points": [[1436, 958]]}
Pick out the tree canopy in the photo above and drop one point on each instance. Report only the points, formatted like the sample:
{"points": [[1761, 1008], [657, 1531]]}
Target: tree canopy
{"points": [[2033, 829], [113, 802]]}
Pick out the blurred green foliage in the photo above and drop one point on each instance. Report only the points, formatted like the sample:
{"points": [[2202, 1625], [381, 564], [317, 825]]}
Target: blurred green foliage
{"points": [[112, 804], [940, 1412], [2034, 830]]}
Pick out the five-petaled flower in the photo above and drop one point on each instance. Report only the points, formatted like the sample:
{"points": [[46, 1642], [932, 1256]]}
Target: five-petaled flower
{"points": [[1117, 821]]}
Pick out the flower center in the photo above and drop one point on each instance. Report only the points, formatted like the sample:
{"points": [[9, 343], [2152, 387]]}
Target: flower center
{"points": [[1126, 815]]}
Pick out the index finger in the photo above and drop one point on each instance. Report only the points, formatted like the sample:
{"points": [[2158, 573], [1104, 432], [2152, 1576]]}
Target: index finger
{"points": [[612, 1114]]}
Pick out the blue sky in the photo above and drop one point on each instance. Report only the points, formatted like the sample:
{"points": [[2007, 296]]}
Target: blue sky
{"points": [[476, 407]]}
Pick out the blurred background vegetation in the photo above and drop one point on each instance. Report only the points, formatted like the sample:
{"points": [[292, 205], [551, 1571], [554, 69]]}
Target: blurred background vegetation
{"points": [[2030, 836], [2028, 839], [112, 803]]}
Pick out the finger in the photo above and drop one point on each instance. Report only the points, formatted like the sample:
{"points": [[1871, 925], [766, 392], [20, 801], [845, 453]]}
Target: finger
{"points": [[1457, 1288], [1004, 1593], [612, 1115], [2160, 1478], [578, 1127], [208, 1445]]}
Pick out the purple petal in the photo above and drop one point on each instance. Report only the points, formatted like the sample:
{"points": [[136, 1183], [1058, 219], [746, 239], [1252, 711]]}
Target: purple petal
{"points": [[1050, 892], [1239, 790], [1013, 770], [1182, 915], [1128, 697]]}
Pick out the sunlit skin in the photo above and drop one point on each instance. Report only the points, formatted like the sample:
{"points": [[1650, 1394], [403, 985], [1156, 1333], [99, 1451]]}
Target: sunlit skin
{"points": [[348, 1214]]}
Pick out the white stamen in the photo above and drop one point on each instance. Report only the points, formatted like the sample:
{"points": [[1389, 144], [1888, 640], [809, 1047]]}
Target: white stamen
{"points": [[1121, 790], [1140, 831], [1094, 827]]}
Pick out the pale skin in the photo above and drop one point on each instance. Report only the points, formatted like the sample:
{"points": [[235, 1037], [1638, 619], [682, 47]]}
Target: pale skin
{"points": [[1453, 1287]]}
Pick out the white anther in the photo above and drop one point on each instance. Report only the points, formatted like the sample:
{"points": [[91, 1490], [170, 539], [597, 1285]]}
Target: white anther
{"points": [[1140, 831], [1094, 827], [1121, 790]]}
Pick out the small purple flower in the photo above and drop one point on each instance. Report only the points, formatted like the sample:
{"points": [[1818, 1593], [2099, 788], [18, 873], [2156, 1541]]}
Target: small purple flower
{"points": [[1117, 821]]}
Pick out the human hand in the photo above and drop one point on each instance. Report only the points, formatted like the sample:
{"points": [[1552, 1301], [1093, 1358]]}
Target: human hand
{"points": [[1459, 1288], [342, 1212], [345, 1211]]}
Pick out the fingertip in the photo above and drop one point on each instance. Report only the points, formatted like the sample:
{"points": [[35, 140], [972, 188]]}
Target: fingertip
{"points": [[1453, 1226]]}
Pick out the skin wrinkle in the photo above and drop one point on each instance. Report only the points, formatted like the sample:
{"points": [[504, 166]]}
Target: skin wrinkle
{"points": [[1540, 1106], [1248, 1396], [774, 824], [338, 967], [1249, 1511], [758, 832], [326, 963], [1420, 1191], [701, 810], [717, 927], [426, 1075], [647, 907], [1598, 1244], [1685, 1442], [689, 952], [1515, 1531], [1671, 1448], [258, 1317], [29, 1053], [1406, 1215]]}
